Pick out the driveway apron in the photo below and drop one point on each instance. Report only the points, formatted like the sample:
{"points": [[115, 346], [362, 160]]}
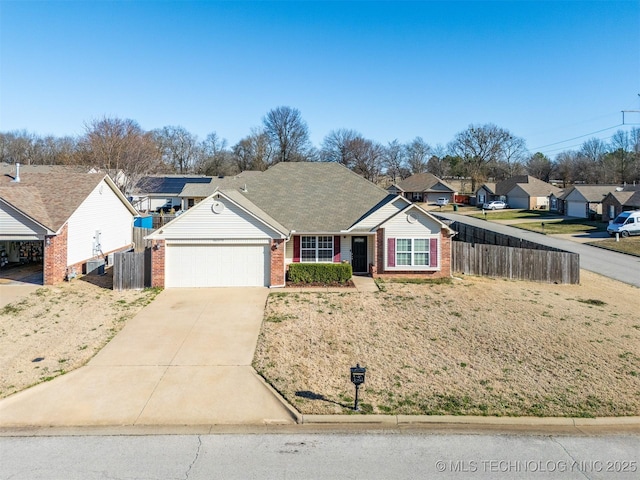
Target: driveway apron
{"points": [[183, 360]]}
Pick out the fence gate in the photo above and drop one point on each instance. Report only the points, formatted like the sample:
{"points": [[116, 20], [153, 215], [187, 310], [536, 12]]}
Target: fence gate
{"points": [[132, 270]]}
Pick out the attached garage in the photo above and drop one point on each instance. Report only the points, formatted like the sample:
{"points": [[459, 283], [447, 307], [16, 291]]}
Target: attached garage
{"points": [[223, 241], [218, 265], [577, 209]]}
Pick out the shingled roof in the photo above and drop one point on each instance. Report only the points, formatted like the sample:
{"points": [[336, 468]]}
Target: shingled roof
{"points": [[422, 182], [313, 197], [48, 198]]}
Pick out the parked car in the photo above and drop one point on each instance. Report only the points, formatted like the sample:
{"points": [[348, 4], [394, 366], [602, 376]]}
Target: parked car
{"points": [[442, 201], [495, 205], [625, 224]]}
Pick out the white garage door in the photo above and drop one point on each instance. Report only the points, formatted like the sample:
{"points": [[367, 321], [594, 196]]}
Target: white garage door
{"points": [[239, 265], [577, 209]]}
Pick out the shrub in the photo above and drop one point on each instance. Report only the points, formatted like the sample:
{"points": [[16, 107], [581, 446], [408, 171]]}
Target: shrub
{"points": [[319, 272]]}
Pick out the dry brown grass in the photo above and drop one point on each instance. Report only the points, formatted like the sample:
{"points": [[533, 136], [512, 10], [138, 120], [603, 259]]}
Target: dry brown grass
{"points": [[476, 346], [58, 329]]}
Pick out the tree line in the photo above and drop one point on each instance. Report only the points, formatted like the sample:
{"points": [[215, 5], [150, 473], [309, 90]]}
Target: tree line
{"points": [[478, 153]]}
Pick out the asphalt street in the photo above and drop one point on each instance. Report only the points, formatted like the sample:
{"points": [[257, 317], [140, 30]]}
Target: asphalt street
{"points": [[625, 268], [330, 456]]}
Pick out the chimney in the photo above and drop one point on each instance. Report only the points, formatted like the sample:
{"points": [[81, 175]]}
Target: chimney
{"points": [[17, 177]]}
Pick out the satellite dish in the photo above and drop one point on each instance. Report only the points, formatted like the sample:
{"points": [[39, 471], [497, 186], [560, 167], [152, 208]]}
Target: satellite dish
{"points": [[217, 207], [411, 218]]}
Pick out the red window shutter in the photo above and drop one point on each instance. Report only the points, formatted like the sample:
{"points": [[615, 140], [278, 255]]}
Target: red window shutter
{"points": [[296, 248], [336, 249], [433, 252], [391, 252]]}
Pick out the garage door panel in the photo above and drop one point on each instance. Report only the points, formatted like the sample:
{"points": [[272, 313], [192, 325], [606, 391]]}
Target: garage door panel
{"points": [[576, 209], [217, 265]]}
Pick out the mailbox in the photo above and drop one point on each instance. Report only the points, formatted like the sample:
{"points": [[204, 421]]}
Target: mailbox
{"points": [[357, 374], [357, 378]]}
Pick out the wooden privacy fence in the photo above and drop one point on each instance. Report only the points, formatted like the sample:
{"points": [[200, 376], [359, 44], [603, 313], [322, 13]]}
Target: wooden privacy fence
{"points": [[138, 238], [132, 270], [472, 234], [516, 263]]}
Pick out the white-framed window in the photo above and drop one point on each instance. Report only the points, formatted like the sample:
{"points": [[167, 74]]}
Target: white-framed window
{"points": [[316, 249], [412, 252]]}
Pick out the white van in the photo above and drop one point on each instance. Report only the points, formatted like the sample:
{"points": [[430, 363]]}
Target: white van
{"points": [[625, 224]]}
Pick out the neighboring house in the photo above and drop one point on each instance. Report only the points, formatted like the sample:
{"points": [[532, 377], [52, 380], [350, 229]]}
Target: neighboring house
{"points": [[625, 199], [62, 220], [584, 201], [247, 235], [423, 187], [193, 193], [154, 191], [521, 191]]}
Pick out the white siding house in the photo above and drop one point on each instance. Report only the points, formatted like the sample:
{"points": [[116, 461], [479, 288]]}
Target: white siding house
{"points": [[102, 223]]}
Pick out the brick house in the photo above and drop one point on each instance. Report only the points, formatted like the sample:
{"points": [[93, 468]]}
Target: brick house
{"points": [[627, 198], [297, 212], [61, 220]]}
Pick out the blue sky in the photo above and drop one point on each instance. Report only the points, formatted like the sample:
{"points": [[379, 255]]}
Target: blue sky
{"points": [[548, 71]]}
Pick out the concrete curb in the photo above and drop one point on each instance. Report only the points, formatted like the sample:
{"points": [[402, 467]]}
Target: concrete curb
{"points": [[468, 420]]}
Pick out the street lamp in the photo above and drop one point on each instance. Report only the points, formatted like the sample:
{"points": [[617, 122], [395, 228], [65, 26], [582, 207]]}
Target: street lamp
{"points": [[357, 378]]}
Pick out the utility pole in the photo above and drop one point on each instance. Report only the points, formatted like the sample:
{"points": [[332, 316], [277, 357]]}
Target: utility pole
{"points": [[629, 111]]}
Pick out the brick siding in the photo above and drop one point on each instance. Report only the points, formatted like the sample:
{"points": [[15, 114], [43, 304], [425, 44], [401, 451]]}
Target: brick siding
{"points": [[277, 263], [157, 263], [55, 258]]}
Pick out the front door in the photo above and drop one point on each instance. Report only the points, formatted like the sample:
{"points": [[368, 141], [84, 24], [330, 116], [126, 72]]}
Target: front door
{"points": [[359, 254]]}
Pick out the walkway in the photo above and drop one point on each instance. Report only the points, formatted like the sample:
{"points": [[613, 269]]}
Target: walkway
{"points": [[183, 360]]}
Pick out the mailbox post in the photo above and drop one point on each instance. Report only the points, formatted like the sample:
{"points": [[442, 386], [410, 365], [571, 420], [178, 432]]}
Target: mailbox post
{"points": [[357, 378]]}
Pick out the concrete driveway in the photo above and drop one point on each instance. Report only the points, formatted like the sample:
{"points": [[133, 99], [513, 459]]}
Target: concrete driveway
{"points": [[183, 360]]}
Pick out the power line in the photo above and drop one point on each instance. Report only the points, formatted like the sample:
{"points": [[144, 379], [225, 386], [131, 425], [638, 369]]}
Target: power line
{"points": [[580, 136]]}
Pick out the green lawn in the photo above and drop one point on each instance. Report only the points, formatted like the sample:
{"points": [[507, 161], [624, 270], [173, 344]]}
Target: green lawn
{"points": [[629, 245], [551, 227], [509, 214]]}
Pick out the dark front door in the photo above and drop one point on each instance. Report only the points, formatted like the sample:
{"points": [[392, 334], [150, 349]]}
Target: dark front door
{"points": [[359, 254]]}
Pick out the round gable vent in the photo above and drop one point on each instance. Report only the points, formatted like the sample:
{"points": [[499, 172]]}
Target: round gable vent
{"points": [[217, 207]]}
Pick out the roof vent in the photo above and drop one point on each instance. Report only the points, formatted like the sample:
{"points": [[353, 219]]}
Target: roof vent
{"points": [[244, 188], [17, 177]]}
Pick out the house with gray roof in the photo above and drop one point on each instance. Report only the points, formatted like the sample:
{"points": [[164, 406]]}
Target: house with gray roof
{"points": [[423, 187], [584, 201], [520, 191], [61, 220], [623, 199], [247, 233]]}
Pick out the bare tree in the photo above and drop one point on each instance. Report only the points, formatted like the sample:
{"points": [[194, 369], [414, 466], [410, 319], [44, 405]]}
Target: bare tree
{"points": [[121, 148], [478, 146], [179, 147], [253, 152], [514, 153], [620, 157], [592, 156], [367, 158], [336, 147], [214, 157], [393, 160], [540, 166], [418, 153], [565, 167], [288, 133]]}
